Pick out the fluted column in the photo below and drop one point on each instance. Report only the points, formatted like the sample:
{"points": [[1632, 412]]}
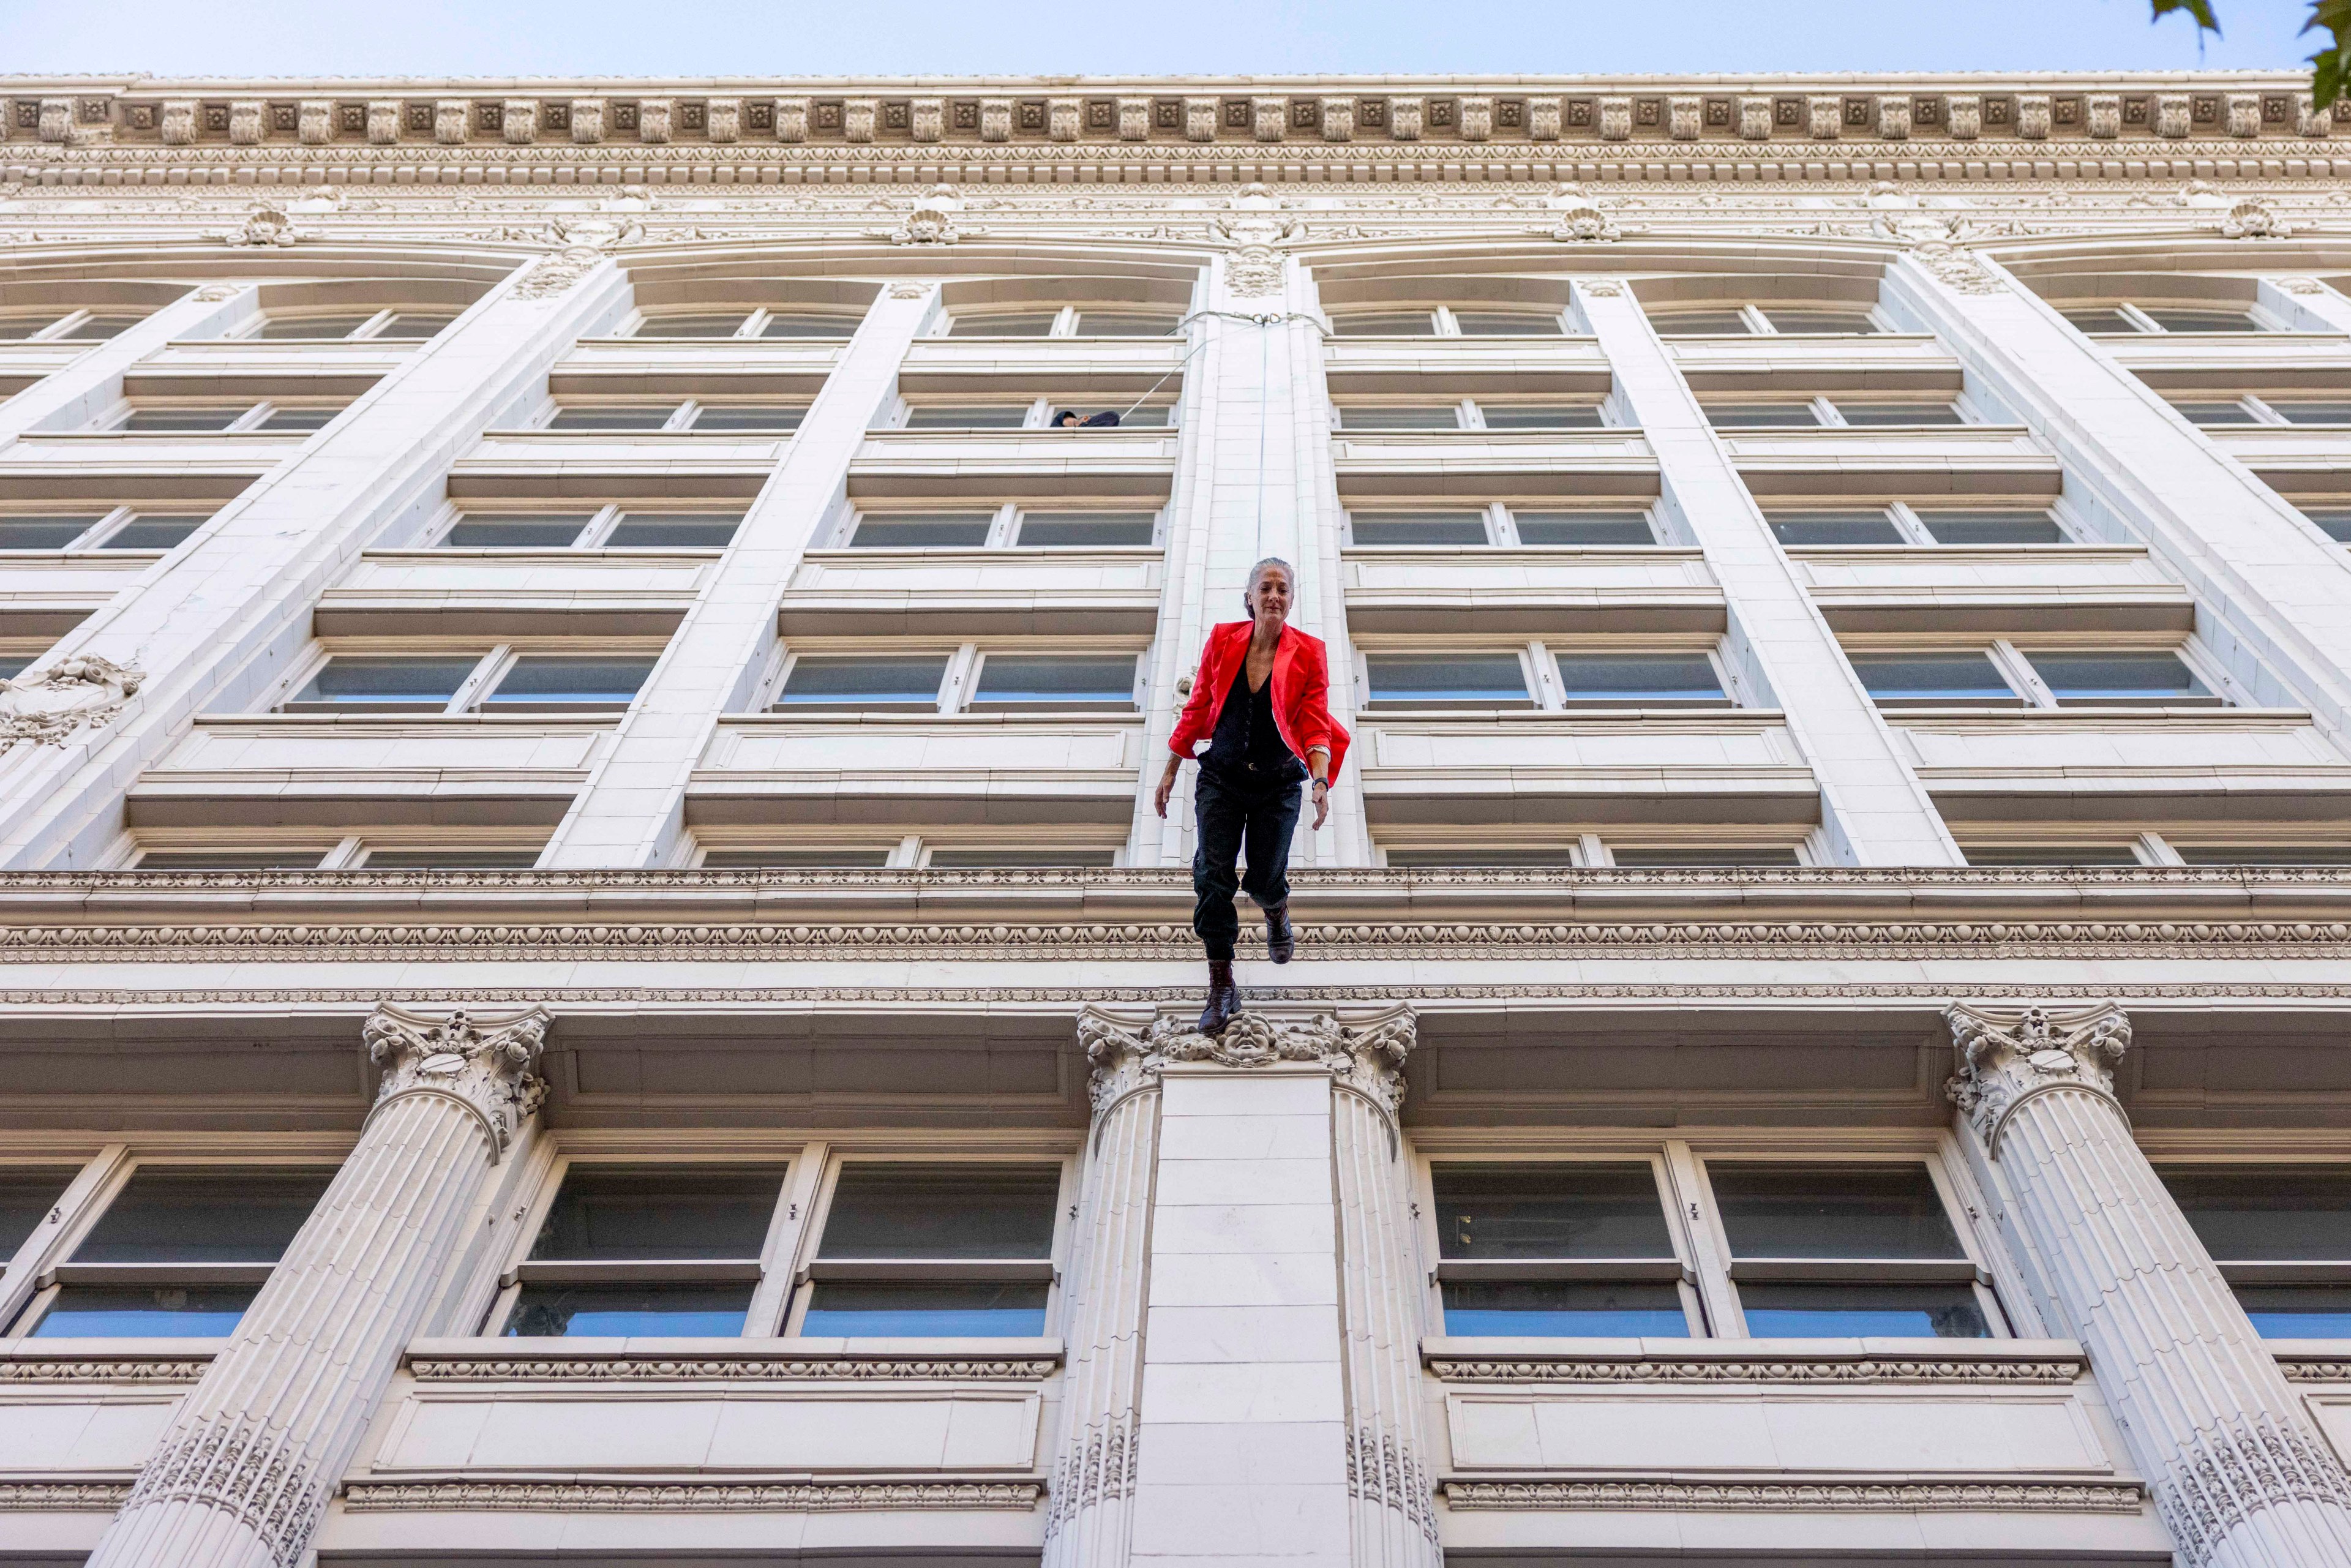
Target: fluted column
{"points": [[2240, 1474], [241, 1475], [1089, 1511], [1379, 1320]]}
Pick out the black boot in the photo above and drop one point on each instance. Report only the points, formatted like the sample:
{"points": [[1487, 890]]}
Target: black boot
{"points": [[1224, 997], [1281, 941]]}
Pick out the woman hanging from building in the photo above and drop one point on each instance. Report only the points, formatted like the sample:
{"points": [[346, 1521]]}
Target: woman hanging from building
{"points": [[1260, 701]]}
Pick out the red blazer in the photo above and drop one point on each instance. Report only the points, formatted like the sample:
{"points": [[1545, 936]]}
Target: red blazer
{"points": [[1301, 690]]}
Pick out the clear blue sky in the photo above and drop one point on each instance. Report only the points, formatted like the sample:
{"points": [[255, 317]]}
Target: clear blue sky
{"points": [[701, 38]]}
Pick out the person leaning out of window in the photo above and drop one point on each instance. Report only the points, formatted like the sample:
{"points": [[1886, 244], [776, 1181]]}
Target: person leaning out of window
{"points": [[1261, 702]]}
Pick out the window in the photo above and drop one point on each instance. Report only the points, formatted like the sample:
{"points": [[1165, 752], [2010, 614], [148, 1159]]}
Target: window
{"points": [[647, 1251], [1819, 320], [1920, 679], [1418, 528], [1762, 415], [1384, 324], [2051, 854], [1904, 412], [45, 531], [1736, 321], [451, 860], [738, 323], [929, 530], [2210, 411], [118, 529], [700, 418], [745, 418], [2264, 855], [1483, 855], [1838, 1251], [540, 682], [1537, 323], [229, 860], [379, 684], [825, 325], [1590, 528], [634, 530], [1639, 680], [2282, 1236], [1595, 528], [1835, 528], [612, 416], [1086, 530], [2335, 522], [933, 1250], [1011, 680], [153, 530], [1990, 528], [2311, 410], [1112, 323], [2099, 318], [2135, 680], [842, 858], [27, 1195], [180, 1252], [968, 416], [1898, 523], [2202, 318], [1698, 857], [1460, 680], [279, 419], [512, 530], [221, 418], [692, 324], [864, 682], [1004, 324], [607, 528], [412, 326], [55, 326], [1399, 416], [1731, 322], [292, 329], [1556, 1250], [1540, 416], [1014, 859]]}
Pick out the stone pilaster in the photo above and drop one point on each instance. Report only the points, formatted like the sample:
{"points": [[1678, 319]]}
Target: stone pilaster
{"points": [[1093, 1479], [241, 1476], [2240, 1474]]}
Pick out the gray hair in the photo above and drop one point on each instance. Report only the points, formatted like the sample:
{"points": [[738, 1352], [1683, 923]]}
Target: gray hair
{"points": [[1258, 570]]}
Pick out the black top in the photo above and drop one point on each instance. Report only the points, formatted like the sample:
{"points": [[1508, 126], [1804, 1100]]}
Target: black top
{"points": [[1246, 748]]}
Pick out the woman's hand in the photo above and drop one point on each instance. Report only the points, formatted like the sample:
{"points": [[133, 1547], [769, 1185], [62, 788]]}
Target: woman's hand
{"points": [[1321, 790], [1167, 785]]}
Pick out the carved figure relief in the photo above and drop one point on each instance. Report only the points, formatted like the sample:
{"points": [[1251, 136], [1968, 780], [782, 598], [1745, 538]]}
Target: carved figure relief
{"points": [[1254, 225], [46, 708], [265, 225]]}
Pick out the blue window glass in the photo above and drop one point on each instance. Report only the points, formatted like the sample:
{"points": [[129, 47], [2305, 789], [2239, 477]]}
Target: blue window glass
{"points": [[975, 1309], [621, 1311], [1562, 1309], [1947, 678], [170, 1311], [2297, 1311], [1627, 680], [589, 685], [1791, 1311], [1466, 680]]}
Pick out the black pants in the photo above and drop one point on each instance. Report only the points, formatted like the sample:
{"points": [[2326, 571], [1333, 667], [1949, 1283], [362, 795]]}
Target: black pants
{"points": [[1232, 821]]}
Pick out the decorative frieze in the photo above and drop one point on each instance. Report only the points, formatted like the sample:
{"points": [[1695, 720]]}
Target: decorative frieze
{"points": [[519, 120], [723, 120], [1744, 1371], [63, 1496], [1817, 1496], [315, 122], [42, 1370], [654, 118], [747, 1366], [1405, 118], [688, 1497]]}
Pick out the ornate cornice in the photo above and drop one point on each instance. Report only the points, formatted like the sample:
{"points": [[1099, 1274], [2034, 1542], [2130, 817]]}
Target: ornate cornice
{"points": [[144, 1370], [687, 1497], [485, 1066], [1367, 1058], [1819, 1497], [63, 1496], [2059, 1370], [2009, 1058], [2315, 1369], [752, 1366]]}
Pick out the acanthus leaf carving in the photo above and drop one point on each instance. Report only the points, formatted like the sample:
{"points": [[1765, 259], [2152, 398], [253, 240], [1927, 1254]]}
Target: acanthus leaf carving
{"points": [[1367, 1057], [46, 707], [2006, 1058], [489, 1066]]}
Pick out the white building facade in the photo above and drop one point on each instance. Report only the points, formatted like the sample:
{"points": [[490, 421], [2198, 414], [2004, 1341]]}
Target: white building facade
{"points": [[591, 978]]}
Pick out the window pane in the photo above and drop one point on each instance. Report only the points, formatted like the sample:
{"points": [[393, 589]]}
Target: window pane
{"points": [[1762, 415], [1819, 320], [313, 329], [1494, 681], [413, 326], [159, 530], [607, 416], [1548, 416], [632, 1213], [17, 328], [1006, 860], [1877, 414], [863, 683], [2309, 412], [517, 530], [2118, 677], [1584, 528], [650, 1310], [1418, 416], [795, 860], [1419, 528], [47, 531], [1490, 1211], [451, 860], [1125, 323], [968, 416], [544, 681], [2297, 1311], [2215, 412], [1387, 324], [184, 419], [1508, 323], [1639, 678], [1700, 855], [392, 682], [1004, 324], [675, 530], [298, 419], [98, 328], [2051, 854], [973, 1310], [1480, 855], [2265, 854], [762, 419], [1932, 677], [27, 1194], [1845, 1211], [1992, 528], [1079, 529], [809, 324], [2200, 319], [1022, 680], [942, 1211], [693, 324], [1870, 528], [1725, 323], [1559, 1309], [203, 1214], [133, 1311], [942, 530], [1840, 1312], [230, 860], [2250, 1213], [2099, 318]]}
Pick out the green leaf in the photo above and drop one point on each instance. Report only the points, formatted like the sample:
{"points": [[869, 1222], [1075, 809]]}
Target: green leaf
{"points": [[2200, 9], [2330, 68]]}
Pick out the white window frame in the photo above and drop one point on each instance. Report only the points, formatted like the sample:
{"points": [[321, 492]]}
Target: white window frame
{"points": [[1545, 659], [1488, 511], [1539, 700], [489, 668]]}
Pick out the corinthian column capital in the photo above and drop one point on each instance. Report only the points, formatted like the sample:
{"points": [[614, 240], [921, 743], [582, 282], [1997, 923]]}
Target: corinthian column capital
{"points": [[486, 1064], [1367, 1055], [2008, 1056]]}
